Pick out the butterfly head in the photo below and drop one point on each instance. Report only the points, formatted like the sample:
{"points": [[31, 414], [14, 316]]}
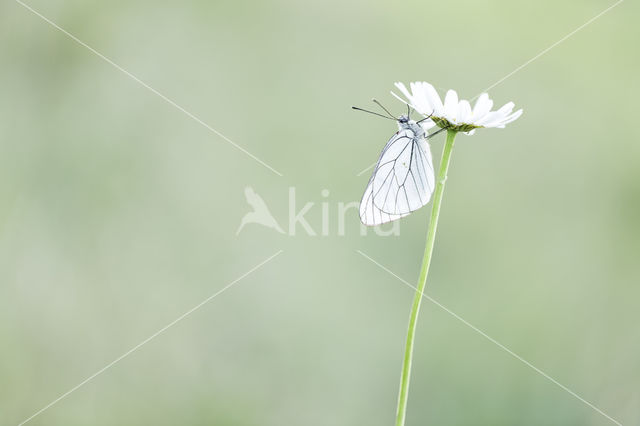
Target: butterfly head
{"points": [[403, 119], [406, 123]]}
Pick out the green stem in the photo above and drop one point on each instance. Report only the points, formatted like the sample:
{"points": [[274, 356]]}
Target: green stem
{"points": [[426, 261]]}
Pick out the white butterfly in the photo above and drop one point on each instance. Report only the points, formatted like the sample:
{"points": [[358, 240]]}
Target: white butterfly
{"points": [[403, 179]]}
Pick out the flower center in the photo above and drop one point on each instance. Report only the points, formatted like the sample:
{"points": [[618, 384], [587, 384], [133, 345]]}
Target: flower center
{"points": [[446, 124]]}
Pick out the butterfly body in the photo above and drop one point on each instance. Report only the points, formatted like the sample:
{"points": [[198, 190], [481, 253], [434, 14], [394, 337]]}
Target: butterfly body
{"points": [[403, 179]]}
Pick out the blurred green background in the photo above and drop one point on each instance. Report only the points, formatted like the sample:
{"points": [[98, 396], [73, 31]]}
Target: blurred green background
{"points": [[118, 213]]}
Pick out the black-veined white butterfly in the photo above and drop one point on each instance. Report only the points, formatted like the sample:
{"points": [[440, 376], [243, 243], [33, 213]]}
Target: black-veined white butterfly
{"points": [[403, 178]]}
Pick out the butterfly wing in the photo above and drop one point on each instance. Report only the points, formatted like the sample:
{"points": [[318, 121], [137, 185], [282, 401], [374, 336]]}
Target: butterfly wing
{"points": [[403, 180], [371, 215]]}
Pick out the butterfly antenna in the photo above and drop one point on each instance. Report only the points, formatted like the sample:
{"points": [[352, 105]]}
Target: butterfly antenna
{"points": [[374, 113], [385, 110]]}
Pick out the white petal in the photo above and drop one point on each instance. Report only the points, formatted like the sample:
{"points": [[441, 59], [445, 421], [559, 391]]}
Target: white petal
{"points": [[502, 116], [399, 98], [491, 119], [464, 112], [434, 99], [506, 108], [413, 97], [451, 105], [421, 100], [404, 90], [482, 107], [513, 117]]}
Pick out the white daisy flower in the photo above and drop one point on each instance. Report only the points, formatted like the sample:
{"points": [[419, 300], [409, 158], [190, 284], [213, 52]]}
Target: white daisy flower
{"points": [[454, 114]]}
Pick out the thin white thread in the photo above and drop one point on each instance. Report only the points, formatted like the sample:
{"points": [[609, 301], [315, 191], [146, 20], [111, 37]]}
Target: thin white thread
{"points": [[147, 340], [145, 85], [494, 341]]}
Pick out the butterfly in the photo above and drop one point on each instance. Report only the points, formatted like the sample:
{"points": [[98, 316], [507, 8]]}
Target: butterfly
{"points": [[403, 178]]}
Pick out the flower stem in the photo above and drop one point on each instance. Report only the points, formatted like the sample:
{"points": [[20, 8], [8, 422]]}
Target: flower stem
{"points": [[426, 261]]}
